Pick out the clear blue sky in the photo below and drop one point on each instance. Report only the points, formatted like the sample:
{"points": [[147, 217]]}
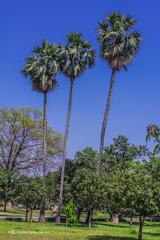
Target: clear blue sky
{"points": [[136, 99]]}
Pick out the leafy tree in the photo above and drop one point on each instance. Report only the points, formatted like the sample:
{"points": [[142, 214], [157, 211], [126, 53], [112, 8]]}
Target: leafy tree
{"points": [[119, 43], [52, 185], [85, 191], [21, 140], [143, 194], [69, 210], [78, 57], [30, 191], [121, 152], [42, 69], [7, 186], [153, 131], [86, 159], [130, 191]]}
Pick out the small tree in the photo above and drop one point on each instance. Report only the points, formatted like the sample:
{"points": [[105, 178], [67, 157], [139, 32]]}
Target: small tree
{"points": [[69, 210], [7, 186], [30, 191], [85, 191]]}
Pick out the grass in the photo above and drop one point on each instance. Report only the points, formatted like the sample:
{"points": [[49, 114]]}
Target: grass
{"points": [[100, 231], [20, 212]]}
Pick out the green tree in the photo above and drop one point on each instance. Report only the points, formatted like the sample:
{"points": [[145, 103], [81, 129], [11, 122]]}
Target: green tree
{"points": [[52, 185], [131, 191], [21, 134], [122, 152], [69, 210], [7, 186], [78, 57], [42, 69], [30, 191], [153, 131], [144, 191], [86, 159], [119, 43], [85, 191]]}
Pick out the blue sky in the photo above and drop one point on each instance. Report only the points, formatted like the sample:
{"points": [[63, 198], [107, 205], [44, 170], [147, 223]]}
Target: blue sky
{"points": [[25, 23]]}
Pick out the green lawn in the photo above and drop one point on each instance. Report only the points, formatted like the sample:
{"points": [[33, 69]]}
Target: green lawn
{"points": [[19, 212], [49, 231]]}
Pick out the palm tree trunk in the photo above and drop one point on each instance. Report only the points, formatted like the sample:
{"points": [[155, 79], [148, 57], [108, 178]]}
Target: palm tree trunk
{"points": [[43, 204], [105, 119], [58, 217]]}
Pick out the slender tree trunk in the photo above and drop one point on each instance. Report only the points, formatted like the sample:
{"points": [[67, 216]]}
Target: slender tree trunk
{"points": [[130, 221], [89, 217], [31, 214], [105, 120], [79, 214], [141, 222], [5, 206], [43, 204], [26, 216], [58, 217]]}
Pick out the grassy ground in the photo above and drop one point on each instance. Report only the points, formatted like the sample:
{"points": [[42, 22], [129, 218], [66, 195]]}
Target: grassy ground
{"points": [[19, 212], [101, 231]]}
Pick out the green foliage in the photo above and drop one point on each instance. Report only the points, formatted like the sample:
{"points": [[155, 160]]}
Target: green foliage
{"points": [[21, 132], [121, 152], [30, 191], [69, 210], [86, 159], [131, 190], [52, 185], [7, 185], [153, 131], [118, 40], [84, 188], [43, 67], [78, 56]]}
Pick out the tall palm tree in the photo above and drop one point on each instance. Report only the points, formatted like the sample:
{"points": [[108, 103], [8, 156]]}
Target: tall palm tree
{"points": [[119, 43], [41, 68], [79, 56]]}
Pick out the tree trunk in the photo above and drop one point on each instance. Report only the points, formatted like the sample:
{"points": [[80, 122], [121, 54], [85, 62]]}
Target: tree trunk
{"points": [[31, 214], [5, 206], [58, 217], [43, 204], [130, 221], [78, 214], [115, 218], [141, 222], [26, 216], [105, 120], [89, 217]]}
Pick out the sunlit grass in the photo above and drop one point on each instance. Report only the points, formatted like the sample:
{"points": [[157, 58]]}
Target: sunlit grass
{"points": [[50, 231]]}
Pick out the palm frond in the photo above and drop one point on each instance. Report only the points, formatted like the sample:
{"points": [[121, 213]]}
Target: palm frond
{"points": [[118, 40]]}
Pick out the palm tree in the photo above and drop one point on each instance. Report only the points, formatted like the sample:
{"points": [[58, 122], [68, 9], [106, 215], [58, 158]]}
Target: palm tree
{"points": [[79, 56], [119, 43], [41, 68]]}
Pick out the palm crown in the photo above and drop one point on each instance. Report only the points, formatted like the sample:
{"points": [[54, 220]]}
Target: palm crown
{"points": [[79, 56], [43, 66], [119, 42]]}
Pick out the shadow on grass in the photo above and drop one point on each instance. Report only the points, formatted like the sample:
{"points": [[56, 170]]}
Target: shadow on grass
{"points": [[155, 234], [152, 224], [110, 238], [106, 224]]}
